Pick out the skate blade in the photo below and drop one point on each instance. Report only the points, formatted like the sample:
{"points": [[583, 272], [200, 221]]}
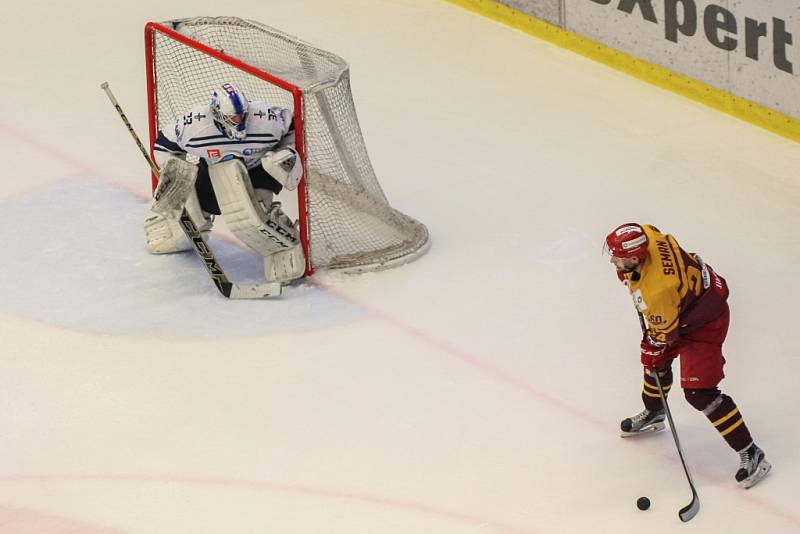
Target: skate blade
{"points": [[649, 429], [756, 477]]}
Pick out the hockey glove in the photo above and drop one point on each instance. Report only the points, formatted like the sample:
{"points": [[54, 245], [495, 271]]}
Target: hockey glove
{"points": [[175, 185], [653, 356], [285, 166]]}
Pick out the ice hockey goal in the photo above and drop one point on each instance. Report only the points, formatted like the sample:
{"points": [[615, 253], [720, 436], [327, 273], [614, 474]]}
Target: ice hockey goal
{"points": [[346, 221]]}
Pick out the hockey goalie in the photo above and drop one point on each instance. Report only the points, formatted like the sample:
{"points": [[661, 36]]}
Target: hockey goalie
{"points": [[232, 157]]}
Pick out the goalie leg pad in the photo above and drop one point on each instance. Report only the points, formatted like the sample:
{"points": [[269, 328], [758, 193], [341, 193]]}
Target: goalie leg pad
{"points": [[286, 265], [164, 234], [266, 231]]}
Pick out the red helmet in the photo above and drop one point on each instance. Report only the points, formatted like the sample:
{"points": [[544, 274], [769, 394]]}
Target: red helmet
{"points": [[627, 241]]}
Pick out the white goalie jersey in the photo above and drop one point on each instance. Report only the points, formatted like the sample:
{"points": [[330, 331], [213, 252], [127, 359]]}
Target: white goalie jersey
{"points": [[197, 133]]}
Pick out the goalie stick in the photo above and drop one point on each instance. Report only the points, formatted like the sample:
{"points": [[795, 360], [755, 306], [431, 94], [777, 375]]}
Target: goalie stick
{"points": [[690, 510], [218, 276]]}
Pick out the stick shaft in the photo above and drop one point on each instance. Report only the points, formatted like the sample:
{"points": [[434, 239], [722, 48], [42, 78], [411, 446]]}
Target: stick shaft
{"points": [[104, 86], [689, 511]]}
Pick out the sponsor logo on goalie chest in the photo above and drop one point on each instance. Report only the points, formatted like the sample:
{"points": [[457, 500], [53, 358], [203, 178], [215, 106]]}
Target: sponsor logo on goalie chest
{"points": [[213, 152]]}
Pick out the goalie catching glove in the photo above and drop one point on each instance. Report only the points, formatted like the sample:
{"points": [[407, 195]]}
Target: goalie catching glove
{"points": [[285, 166]]}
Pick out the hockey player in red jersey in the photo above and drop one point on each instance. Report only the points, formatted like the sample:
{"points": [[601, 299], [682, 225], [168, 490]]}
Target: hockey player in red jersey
{"points": [[684, 303]]}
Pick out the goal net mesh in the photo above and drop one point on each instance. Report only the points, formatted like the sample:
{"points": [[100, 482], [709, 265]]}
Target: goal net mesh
{"points": [[349, 222]]}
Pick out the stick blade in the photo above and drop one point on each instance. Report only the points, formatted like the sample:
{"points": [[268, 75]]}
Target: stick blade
{"points": [[688, 512], [255, 291]]}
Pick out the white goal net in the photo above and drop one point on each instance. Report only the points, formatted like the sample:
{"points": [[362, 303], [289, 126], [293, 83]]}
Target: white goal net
{"points": [[346, 221]]}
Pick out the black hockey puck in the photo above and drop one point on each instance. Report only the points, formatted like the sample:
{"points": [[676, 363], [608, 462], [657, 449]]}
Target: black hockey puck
{"points": [[643, 503]]}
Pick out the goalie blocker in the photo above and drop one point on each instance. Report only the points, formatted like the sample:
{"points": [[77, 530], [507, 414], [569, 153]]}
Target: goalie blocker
{"points": [[175, 192]]}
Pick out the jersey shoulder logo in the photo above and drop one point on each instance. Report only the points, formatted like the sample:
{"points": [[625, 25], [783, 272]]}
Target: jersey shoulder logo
{"points": [[178, 130], [638, 300]]}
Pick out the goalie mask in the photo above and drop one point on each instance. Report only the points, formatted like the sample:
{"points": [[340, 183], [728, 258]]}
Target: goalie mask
{"points": [[229, 109]]}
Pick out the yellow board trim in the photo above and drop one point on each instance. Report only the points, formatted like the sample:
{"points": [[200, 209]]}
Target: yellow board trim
{"points": [[739, 107]]}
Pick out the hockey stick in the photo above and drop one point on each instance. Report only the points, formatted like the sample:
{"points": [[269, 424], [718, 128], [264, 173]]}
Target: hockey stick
{"points": [[690, 510], [218, 276]]}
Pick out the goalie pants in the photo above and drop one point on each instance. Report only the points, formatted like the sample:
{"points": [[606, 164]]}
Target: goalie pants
{"points": [[205, 192], [702, 365]]}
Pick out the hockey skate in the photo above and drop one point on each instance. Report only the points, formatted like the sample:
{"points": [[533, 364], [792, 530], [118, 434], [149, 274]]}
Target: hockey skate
{"points": [[752, 467], [643, 423]]}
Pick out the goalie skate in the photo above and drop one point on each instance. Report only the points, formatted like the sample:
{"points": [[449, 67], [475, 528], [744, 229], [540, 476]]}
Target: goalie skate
{"points": [[645, 422], [753, 467]]}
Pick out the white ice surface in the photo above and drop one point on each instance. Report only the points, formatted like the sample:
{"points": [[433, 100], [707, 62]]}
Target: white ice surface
{"points": [[477, 390]]}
